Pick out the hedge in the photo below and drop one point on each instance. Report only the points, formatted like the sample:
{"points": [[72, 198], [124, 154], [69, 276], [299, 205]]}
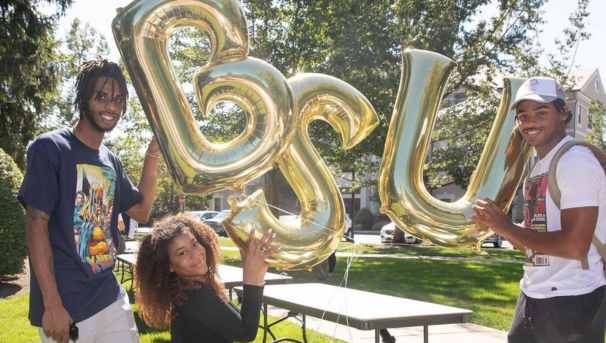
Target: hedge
{"points": [[378, 226], [365, 218], [12, 218]]}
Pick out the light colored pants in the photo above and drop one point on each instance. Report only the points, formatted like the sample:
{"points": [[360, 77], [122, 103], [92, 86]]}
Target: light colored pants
{"points": [[115, 323], [320, 270]]}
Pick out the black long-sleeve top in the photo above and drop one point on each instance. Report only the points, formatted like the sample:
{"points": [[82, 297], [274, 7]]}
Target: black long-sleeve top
{"points": [[208, 318]]}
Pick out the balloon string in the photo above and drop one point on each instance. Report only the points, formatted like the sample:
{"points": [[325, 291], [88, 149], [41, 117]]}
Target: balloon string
{"points": [[312, 223], [342, 284]]}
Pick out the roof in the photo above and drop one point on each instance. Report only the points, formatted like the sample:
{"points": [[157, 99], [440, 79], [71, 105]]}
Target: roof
{"points": [[580, 77]]}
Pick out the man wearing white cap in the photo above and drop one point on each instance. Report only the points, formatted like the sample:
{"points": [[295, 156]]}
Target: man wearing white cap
{"points": [[559, 301]]}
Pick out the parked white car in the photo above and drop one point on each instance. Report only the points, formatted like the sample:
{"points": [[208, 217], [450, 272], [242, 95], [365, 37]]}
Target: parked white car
{"points": [[203, 215], [349, 234], [390, 233]]}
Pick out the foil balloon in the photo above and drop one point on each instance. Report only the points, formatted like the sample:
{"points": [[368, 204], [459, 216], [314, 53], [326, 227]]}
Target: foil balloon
{"points": [[142, 30], [316, 234], [403, 195]]}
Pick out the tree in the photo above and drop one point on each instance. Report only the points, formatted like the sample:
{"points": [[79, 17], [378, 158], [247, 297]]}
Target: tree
{"points": [[361, 43], [83, 43], [28, 71], [596, 118], [12, 218], [465, 128]]}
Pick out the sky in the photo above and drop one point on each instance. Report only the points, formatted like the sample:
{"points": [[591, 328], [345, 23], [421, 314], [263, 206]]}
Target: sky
{"points": [[591, 53]]}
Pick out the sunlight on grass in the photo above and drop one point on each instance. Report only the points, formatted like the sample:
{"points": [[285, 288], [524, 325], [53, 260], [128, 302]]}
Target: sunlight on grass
{"points": [[489, 289], [13, 315]]}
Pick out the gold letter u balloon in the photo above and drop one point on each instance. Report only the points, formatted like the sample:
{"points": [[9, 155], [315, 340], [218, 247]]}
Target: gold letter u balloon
{"points": [[404, 196]]}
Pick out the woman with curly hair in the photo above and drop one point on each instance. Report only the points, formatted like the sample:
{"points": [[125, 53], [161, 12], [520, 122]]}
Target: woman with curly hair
{"points": [[176, 283]]}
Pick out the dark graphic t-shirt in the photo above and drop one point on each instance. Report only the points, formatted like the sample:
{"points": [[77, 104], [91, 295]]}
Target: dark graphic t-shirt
{"points": [[83, 190]]}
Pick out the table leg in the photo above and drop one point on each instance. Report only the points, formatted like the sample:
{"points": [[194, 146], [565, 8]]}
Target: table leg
{"points": [[132, 277], [377, 336], [122, 275], [426, 333], [303, 326], [265, 326]]}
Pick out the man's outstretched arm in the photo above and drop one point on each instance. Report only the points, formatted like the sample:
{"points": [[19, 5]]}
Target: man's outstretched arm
{"points": [[147, 185]]}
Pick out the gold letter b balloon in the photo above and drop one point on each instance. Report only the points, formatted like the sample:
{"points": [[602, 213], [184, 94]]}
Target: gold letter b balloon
{"points": [[278, 113], [142, 30]]}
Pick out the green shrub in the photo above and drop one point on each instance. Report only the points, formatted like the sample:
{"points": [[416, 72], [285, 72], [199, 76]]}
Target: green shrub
{"points": [[378, 226], [365, 218], [358, 227], [12, 218]]}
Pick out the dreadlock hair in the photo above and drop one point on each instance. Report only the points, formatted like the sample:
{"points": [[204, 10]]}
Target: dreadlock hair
{"points": [[559, 105], [90, 71], [157, 290]]}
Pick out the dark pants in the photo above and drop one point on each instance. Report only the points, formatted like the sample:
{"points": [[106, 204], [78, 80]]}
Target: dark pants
{"points": [[332, 261], [580, 319]]}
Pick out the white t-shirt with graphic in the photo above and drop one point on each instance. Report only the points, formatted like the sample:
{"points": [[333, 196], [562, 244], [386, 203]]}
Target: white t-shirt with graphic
{"points": [[582, 183]]}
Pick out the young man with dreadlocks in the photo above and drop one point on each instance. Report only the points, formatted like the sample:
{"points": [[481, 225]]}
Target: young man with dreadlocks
{"points": [[73, 190]]}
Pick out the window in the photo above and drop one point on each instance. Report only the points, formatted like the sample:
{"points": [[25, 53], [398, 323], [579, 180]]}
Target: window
{"points": [[217, 203], [596, 85], [579, 114]]}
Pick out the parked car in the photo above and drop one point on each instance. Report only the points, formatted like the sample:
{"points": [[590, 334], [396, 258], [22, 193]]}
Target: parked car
{"points": [[496, 240], [216, 223], [203, 215], [390, 233], [349, 232]]}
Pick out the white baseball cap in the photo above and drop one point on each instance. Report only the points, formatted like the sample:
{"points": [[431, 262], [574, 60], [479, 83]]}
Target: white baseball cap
{"points": [[539, 89]]}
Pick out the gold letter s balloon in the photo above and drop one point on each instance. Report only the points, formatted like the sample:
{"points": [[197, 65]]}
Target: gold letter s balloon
{"points": [[403, 195], [322, 220], [198, 166]]}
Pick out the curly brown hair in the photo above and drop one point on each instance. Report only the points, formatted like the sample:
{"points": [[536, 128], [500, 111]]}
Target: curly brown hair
{"points": [[157, 290]]}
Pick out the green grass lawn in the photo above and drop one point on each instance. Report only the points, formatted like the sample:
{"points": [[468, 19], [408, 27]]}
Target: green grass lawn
{"points": [[489, 289], [416, 250]]}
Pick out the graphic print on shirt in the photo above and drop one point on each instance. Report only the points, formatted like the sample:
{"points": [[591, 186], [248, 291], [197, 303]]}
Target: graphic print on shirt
{"points": [[92, 216], [535, 215]]}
